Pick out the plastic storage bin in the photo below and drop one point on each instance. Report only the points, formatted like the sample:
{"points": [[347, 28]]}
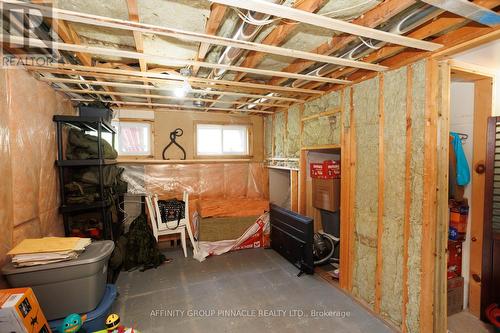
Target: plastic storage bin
{"points": [[74, 286], [96, 319]]}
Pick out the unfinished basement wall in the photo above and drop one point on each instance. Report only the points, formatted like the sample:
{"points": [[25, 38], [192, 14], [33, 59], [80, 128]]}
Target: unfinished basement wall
{"points": [[388, 113], [166, 122], [365, 104], [383, 124], [29, 200], [313, 124]]}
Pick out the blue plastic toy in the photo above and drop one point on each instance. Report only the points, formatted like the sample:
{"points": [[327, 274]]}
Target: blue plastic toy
{"points": [[72, 323]]}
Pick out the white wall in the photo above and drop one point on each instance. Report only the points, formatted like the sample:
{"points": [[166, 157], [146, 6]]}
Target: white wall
{"points": [[488, 56], [462, 121]]}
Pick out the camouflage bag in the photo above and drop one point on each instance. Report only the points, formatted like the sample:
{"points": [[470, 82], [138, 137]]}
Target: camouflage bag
{"points": [[83, 146], [142, 249]]}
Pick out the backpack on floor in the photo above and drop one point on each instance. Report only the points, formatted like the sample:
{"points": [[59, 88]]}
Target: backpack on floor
{"points": [[142, 249]]}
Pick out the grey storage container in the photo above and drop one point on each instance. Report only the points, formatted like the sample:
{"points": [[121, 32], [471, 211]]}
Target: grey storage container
{"points": [[96, 111], [74, 286]]}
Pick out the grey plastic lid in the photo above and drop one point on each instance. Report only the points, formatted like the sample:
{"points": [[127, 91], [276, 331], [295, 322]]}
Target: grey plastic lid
{"points": [[96, 251]]}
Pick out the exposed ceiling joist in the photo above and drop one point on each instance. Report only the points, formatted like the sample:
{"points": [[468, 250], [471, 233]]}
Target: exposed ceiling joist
{"points": [[176, 84], [328, 23], [468, 10], [152, 74], [133, 15], [214, 21], [68, 35], [157, 59], [190, 36], [374, 17], [442, 23], [126, 94], [278, 35], [181, 107]]}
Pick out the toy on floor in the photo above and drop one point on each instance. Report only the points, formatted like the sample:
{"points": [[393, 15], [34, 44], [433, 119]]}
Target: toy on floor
{"points": [[113, 326], [73, 323]]}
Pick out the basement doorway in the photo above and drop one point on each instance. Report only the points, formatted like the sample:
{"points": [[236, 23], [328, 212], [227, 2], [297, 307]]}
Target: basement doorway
{"points": [[461, 289], [325, 207]]}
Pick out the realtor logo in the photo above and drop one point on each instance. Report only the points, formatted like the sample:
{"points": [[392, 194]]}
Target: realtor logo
{"points": [[26, 35]]}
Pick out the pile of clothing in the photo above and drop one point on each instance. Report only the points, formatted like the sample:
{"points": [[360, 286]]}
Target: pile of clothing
{"points": [[84, 185], [47, 250]]}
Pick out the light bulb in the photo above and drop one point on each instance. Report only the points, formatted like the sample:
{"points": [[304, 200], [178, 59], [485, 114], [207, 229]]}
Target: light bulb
{"points": [[183, 90], [180, 92]]}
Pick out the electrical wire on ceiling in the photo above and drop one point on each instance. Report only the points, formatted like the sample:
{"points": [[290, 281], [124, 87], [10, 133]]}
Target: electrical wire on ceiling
{"points": [[340, 10], [246, 17], [369, 43]]}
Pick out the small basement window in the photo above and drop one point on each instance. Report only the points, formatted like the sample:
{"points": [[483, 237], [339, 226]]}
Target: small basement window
{"points": [[133, 138], [222, 140]]}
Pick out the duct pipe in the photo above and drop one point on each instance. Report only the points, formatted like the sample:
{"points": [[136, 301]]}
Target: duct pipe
{"points": [[364, 47], [245, 32]]}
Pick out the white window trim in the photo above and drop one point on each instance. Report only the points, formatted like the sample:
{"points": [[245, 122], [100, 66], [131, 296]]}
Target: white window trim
{"points": [[249, 127], [150, 122]]}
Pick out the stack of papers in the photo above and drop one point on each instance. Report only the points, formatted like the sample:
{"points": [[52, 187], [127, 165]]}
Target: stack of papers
{"points": [[47, 250]]}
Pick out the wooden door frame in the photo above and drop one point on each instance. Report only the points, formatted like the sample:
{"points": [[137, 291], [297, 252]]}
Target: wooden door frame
{"points": [[483, 80]]}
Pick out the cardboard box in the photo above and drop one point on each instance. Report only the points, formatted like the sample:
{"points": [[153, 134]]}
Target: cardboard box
{"points": [[326, 194], [20, 312], [455, 295], [326, 170], [454, 259], [459, 214]]}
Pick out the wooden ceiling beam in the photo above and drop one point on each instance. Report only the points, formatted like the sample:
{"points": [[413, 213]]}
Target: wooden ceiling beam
{"points": [[328, 23], [133, 15], [68, 35], [468, 10], [188, 36], [33, 42], [157, 74], [372, 18], [126, 94], [183, 107], [148, 88], [213, 89], [442, 23], [278, 35], [214, 21]]}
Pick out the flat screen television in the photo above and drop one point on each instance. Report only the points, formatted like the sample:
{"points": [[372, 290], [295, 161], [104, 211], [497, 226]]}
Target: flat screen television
{"points": [[292, 237]]}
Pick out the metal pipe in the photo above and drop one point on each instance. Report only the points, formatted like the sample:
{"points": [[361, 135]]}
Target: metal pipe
{"points": [[364, 47], [245, 32]]}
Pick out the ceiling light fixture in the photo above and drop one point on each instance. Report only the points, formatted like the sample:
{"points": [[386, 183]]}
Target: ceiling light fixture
{"points": [[182, 91]]}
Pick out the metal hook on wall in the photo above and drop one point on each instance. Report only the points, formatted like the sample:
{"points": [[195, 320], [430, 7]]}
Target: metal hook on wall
{"points": [[174, 135]]}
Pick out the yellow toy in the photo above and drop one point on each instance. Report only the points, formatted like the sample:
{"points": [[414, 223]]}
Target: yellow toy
{"points": [[113, 325], [113, 322]]}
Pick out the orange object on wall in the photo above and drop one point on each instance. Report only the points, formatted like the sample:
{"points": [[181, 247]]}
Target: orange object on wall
{"points": [[232, 207]]}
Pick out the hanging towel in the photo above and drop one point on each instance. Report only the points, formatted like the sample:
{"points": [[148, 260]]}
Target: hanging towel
{"points": [[463, 171]]}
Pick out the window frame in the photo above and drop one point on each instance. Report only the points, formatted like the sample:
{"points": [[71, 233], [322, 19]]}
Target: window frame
{"points": [[151, 138], [249, 127]]}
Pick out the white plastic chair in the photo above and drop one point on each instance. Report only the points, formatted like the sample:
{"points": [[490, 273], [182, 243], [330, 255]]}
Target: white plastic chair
{"points": [[161, 229]]}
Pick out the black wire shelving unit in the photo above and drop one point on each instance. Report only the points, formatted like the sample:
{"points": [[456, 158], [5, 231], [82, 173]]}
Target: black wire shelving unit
{"points": [[100, 126]]}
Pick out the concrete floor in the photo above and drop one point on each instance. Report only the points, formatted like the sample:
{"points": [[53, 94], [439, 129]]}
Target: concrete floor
{"points": [[465, 322], [247, 282]]}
